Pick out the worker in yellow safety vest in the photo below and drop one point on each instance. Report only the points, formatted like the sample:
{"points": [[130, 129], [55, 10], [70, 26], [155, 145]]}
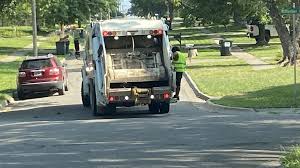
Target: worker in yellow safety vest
{"points": [[179, 64]]}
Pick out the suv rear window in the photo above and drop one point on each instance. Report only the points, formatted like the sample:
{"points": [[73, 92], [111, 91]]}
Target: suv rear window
{"points": [[36, 64]]}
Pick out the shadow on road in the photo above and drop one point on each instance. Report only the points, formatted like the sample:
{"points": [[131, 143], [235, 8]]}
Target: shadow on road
{"points": [[51, 111], [69, 136]]}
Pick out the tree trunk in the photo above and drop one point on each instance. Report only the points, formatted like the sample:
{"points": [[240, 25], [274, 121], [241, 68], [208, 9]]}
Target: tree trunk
{"points": [[79, 24], [62, 30], [288, 46], [261, 40]]}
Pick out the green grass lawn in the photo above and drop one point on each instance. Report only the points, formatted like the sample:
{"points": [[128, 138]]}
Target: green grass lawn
{"points": [[233, 80], [8, 74], [191, 36], [270, 54], [291, 159], [238, 85], [10, 45], [15, 31]]}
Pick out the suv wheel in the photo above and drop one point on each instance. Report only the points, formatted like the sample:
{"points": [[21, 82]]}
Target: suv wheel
{"points": [[66, 86], [62, 90], [21, 95]]}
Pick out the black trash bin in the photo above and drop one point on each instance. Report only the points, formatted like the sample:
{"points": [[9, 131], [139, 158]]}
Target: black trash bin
{"points": [[62, 47], [225, 47]]}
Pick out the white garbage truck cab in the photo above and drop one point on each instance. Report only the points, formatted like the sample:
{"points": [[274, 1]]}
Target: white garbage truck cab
{"points": [[127, 63]]}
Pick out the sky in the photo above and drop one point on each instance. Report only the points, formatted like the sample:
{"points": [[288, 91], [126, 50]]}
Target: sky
{"points": [[125, 5]]}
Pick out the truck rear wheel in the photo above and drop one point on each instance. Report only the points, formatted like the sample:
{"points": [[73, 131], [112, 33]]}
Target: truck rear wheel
{"points": [[154, 107], [85, 98], [164, 107]]}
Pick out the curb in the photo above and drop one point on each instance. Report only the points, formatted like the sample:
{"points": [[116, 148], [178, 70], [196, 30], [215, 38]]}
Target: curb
{"points": [[210, 103], [209, 99], [194, 87], [4, 103]]}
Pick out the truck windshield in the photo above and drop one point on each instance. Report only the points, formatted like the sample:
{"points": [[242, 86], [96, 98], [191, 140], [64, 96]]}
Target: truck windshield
{"points": [[125, 42]]}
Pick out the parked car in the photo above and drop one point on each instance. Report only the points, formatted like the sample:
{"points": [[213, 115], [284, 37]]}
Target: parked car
{"points": [[42, 74]]}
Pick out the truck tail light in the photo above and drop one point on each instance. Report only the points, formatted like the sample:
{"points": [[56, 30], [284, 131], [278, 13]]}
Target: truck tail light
{"points": [[111, 98], [156, 32], [54, 71], [109, 33], [166, 96], [22, 74]]}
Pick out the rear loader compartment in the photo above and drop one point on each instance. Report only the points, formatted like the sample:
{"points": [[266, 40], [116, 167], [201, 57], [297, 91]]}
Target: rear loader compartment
{"points": [[139, 96]]}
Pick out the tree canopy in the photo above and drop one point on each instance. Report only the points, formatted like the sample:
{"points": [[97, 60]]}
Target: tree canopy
{"points": [[51, 12]]}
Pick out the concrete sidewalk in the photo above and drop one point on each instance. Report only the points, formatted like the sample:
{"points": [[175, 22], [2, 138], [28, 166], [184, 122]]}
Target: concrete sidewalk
{"points": [[256, 63]]}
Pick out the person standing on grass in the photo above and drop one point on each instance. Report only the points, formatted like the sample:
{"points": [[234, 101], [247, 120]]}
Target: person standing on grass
{"points": [[179, 63]]}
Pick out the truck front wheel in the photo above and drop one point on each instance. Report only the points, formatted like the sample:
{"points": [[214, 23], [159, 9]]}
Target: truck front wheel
{"points": [[164, 107], [93, 102], [85, 98]]}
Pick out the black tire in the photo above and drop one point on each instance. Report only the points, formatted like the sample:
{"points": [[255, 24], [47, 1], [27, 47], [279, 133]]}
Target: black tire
{"points": [[67, 86], [62, 90], [85, 98], [93, 102], [21, 95], [154, 107], [164, 108]]}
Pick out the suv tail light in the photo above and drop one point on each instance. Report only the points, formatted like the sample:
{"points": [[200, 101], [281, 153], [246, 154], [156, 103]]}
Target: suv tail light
{"points": [[54, 71], [22, 74]]}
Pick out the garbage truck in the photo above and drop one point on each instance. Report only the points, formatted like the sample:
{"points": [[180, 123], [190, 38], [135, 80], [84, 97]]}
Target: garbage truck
{"points": [[126, 62]]}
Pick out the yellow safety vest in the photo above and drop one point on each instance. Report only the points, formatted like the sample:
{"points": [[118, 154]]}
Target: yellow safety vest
{"points": [[180, 64]]}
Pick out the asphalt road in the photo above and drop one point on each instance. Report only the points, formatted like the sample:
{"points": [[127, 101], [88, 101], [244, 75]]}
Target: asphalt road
{"points": [[58, 132]]}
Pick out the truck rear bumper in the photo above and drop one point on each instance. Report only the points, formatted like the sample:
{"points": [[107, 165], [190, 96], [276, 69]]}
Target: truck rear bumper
{"points": [[137, 96], [41, 86]]}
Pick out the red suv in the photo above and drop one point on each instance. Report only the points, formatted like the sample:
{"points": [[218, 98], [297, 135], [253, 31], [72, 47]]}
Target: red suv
{"points": [[42, 74]]}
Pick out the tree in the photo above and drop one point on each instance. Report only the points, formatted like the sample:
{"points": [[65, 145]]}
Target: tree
{"points": [[72, 11], [15, 12], [290, 46], [146, 7], [263, 11], [213, 11]]}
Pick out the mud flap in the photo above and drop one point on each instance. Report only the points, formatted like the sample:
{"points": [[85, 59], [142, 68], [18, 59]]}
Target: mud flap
{"points": [[173, 100]]}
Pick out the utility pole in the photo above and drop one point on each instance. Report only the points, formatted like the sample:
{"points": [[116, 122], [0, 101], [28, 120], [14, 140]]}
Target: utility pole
{"points": [[34, 28], [295, 57]]}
